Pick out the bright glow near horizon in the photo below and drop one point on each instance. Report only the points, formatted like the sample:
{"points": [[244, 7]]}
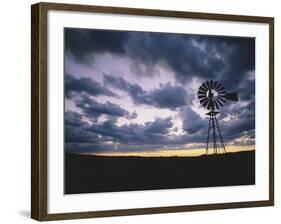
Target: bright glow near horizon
{"points": [[172, 153]]}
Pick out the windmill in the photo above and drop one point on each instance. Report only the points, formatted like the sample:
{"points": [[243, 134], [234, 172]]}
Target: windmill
{"points": [[212, 96]]}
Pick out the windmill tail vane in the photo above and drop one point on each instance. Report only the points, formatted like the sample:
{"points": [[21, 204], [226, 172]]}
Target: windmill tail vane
{"points": [[212, 95]]}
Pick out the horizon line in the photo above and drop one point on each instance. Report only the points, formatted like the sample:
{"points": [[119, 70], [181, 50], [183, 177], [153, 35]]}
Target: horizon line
{"points": [[169, 153]]}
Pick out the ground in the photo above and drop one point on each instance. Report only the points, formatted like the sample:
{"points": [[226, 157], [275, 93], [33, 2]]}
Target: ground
{"points": [[91, 174]]}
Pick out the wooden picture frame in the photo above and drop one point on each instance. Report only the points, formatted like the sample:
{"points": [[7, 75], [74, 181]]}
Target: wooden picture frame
{"points": [[39, 110]]}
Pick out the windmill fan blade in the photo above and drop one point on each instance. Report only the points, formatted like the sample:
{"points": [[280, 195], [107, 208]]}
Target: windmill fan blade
{"points": [[201, 97], [220, 102], [221, 88], [221, 99], [217, 106], [208, 84], [201, 92], [205, 103], [203, 100], [218, 86], [232, 96], [203, 88], [215, 84]]}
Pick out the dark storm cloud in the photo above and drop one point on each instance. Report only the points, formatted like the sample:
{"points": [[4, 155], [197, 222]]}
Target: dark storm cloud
{"points": [[159, 126], [239, 58], [166, 96], [75, 129], [84, 147], [206, 57], [101, 147], [94, 109], [84, 85], [149, 136], [197, 138], [179, 52], [192, 122], [73, 119], [82, 42], [149, 133], [244, 120], [246, 89], [79, 133], [130, 137]]}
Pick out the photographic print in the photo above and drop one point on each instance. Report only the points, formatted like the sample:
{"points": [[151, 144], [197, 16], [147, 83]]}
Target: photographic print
{"points": [[151, 111]]}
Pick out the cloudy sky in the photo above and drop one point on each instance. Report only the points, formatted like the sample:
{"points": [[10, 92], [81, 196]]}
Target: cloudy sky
{"points": [[135, 92]]}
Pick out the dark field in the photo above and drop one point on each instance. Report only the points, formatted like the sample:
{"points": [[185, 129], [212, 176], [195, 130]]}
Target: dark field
{"points": [[90, 174]]}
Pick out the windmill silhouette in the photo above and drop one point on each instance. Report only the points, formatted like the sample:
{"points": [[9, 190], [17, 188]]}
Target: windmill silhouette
{"points": [[212, 95]]}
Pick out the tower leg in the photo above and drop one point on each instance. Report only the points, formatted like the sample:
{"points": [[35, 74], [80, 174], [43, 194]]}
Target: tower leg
{"points": [[207, 147], [214, 136], [220, 135]]}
